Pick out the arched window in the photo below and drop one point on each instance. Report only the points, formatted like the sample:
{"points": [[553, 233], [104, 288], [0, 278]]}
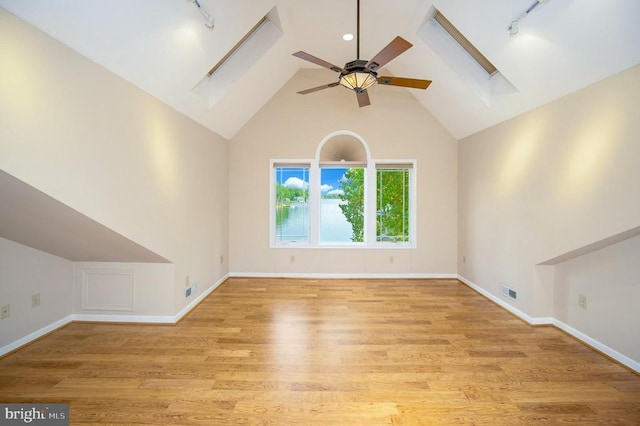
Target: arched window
{"points": [[343, 159]]}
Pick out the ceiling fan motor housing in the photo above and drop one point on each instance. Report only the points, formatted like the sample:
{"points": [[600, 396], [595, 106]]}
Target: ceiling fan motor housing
{"points": [[359, 75], [359, 65]]}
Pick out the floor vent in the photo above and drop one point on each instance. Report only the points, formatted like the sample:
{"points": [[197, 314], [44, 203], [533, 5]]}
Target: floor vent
{"points": [[509, 292]]}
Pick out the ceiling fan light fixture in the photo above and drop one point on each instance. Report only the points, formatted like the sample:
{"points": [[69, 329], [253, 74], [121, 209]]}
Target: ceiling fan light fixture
{"points": [[359, 74], [358, 80]]}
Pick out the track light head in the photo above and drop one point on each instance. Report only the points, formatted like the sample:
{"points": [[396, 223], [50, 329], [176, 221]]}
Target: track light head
{"points": [[208, 17], [514, 27]]}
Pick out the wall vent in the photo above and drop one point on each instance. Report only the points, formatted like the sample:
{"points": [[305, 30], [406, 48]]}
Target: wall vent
{"points": [[508, 292]]}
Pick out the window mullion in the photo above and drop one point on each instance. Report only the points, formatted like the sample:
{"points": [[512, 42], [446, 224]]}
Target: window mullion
{"points": [[371, 186], [314, 203]]}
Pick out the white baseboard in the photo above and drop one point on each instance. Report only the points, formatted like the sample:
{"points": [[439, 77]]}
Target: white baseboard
{"points": [[139, 319], [142, 319], [517, 312], [612, 353], [35, 335], [177, 317], [338, 276]]}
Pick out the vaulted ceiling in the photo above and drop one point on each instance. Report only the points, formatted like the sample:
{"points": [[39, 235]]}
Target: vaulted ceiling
{"points": [[163, 47]]}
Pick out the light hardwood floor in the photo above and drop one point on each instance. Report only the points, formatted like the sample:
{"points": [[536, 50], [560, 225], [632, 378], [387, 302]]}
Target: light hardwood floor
{"points": [[326, 352]]}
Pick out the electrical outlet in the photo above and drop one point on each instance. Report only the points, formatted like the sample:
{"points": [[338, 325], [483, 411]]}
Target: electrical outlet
{"points": [[5, 312], [292, 259], [464, 259], [582, 301], [221, 259], [391, 259], [187, 281], [35, 300]]}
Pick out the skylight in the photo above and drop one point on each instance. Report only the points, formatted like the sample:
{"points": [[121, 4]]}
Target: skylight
{"points": [[238, 45], [240, 58], [462, 57], [464, 43]]}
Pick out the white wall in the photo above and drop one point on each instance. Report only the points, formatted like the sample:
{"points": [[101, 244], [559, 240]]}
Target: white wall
{"points": [[23, 272], [291, 126], [95, 142], [608, 278], [551, 181]]}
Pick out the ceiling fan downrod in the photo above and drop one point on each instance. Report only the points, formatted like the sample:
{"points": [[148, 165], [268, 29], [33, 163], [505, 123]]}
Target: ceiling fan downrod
{"points": [[358, 30], [358, 75]]}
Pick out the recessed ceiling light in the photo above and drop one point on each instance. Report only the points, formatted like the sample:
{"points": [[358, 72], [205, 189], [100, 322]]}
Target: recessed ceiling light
{"points": [[347, 37]]}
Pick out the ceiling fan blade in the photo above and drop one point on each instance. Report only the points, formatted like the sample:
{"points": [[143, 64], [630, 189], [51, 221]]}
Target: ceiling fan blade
{"points": [[363, 98], [404, 82], [318, 61], [315, 89], [397, 46]]}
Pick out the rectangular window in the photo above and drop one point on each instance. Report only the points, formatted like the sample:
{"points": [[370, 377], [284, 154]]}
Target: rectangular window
{"points": [[291, 203], [393, 203], [341, 205]]}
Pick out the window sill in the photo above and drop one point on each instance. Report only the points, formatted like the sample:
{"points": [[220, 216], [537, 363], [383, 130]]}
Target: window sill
{"points": [[348, 246]]}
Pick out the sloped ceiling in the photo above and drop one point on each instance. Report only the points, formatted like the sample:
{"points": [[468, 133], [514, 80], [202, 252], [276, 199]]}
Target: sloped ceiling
{"points": [[163, 47], [32, 218]]}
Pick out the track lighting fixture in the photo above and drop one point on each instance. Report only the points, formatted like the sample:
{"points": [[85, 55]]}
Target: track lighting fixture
{"points": [[514, 27], [208, 17]]}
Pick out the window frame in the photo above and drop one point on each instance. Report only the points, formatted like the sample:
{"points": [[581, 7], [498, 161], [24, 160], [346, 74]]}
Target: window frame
{"points": [[343, 165], [370, 199], [272, 202], [373, 208]]}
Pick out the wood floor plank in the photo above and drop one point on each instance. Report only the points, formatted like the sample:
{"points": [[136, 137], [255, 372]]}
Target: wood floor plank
{"points": [[326, 352]]}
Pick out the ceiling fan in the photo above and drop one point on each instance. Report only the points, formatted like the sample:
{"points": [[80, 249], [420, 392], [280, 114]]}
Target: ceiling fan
{"points": [[358, 75]]}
